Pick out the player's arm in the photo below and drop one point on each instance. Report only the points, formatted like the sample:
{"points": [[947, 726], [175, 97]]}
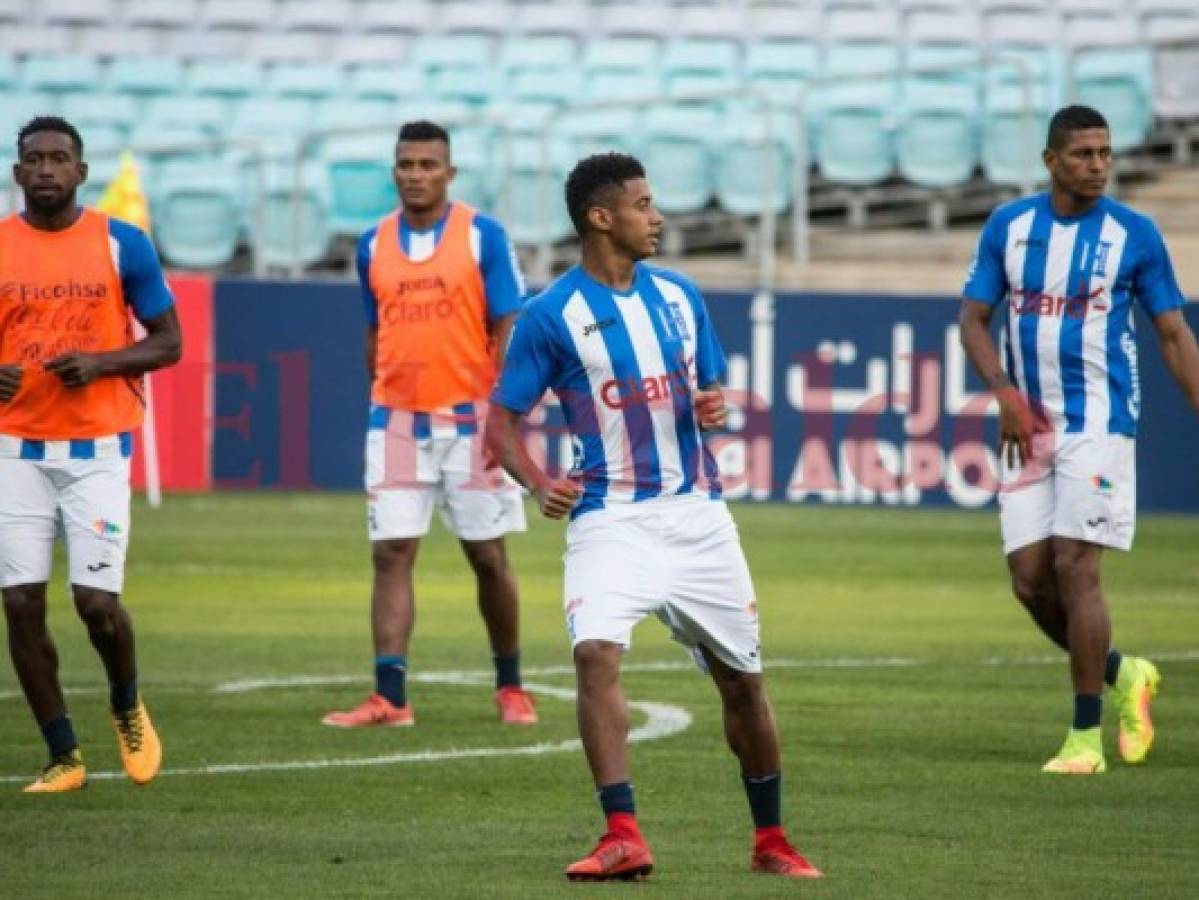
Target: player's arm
{"points": [[710, 366], [501, 330], [555, 497], [503, 284], [362, 262], [372, 351], [1180, 352], [146, 293]]}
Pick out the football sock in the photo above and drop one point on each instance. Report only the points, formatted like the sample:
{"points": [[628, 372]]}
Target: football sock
{"points": [[1087, 708], [616, 800], [60, 736], [390, 674], [765, 799], [122, 697], [1112, 670], [507, 670]]}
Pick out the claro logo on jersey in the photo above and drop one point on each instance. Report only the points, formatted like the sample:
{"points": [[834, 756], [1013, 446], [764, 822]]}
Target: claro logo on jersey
{"points": [[418, 300], [620, 393], [1037, 303], [27, 292]]}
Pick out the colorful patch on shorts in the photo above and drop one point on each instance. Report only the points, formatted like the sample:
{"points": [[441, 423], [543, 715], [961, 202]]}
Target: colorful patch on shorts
{"points": [[105, 528], [1101, 484]]}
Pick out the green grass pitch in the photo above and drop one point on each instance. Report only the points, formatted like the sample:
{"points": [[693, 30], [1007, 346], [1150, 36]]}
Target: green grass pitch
{"points": [[915, 700]]}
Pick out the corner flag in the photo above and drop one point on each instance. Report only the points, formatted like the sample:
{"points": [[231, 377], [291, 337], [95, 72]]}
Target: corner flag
{"points": [[124, 197]]}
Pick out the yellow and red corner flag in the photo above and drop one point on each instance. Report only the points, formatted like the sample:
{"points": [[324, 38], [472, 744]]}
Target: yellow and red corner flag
{"points": [[124, 197]]}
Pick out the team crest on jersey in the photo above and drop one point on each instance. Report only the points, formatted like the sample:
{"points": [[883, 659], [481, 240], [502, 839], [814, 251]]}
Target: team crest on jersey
{"points": [[674, 322], [1102, 249]]}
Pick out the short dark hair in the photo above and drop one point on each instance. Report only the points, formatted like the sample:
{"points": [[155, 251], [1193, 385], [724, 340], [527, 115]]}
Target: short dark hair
{"points": [[50, 123], [1069, 119], [594, 175], [424, 130]]}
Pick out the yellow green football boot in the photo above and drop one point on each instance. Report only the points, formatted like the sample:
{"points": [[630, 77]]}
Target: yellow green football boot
{"points": [[1081, 754], [1136, 685]]}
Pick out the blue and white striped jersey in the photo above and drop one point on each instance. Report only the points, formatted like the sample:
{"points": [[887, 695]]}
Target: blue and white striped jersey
{"points": [[623, 366], [1069, 283]]}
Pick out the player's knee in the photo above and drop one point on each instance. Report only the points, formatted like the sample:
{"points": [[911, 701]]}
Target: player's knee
{"points": [[487, 559], [25, 605], [1074, 569], [1028, 589], [596, 658], [98, 609], [391, 555]]}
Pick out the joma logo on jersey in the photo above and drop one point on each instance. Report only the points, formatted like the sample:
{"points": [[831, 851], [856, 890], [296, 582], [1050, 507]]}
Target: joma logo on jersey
{"points": [[622, 393], [1035, 303], [428, 283], [598, 325], [25, 291]]}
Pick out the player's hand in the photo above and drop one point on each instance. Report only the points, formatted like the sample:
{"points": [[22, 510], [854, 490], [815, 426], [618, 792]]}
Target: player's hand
{"points": [[1017, 426], [76, 369], [558, 497], [10, 382], [710, 410]]}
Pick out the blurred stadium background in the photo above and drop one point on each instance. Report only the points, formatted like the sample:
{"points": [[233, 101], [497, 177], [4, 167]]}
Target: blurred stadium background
{"points": [[825, 167]]}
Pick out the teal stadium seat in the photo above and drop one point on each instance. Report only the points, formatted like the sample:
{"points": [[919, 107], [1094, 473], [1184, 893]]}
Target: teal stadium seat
{"points": [[1012, 141], [230, 79], [558, 86], [361, 182], [209, 114], [306, 80], [275, 123], [943, 47], [1116, 80], [937, 143], [476, 86], [539, 52], [600, 131], [452, 51], [294, 231], [475, 170], [10, 75], [61, 73], [782, 69], [393, 82], [679, 155], [702, 56], [747, 153], [146, 77], [856, 141], [103, 120], [635, 55], [530, 197], [612, 86], [197, 216]]}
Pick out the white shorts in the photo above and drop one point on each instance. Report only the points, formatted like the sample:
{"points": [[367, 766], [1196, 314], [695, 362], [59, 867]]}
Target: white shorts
{"points": [[85, 500], [406, 477], [677, 557], [1080, 486]]}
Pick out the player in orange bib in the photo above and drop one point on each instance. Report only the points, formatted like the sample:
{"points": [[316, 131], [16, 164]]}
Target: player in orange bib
{"points": [[70, 397], [441, 288]]}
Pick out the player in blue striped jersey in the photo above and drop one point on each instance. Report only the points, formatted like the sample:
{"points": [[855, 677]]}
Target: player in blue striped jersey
{"points": [[1066, 267], [629, 351]]}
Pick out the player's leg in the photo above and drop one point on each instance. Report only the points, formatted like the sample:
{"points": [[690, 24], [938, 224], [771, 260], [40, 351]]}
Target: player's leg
{"points": [[93, 497], [480, 506], [613, 575], [712, 610], [401, 492], [1035, 585], [28, 526]]}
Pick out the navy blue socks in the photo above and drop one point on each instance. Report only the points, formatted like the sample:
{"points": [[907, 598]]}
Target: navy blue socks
{"points": [[390, 679], [1111, 670], [616, 798], [122, 697], [60, 736], [765, 799], [507, 670], [1087, 708]]}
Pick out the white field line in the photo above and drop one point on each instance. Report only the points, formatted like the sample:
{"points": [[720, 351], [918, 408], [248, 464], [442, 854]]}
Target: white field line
{"points": [[662, 721]]}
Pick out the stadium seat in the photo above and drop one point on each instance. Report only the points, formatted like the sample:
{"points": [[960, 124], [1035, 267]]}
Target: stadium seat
{"points": [[61, 74], [340, 113], [797, 23], [493, 18], [724, 21], [943, 47], [146, 77], [412, 17], [1031, 39], [1175, 72], [108, 43], [606, 87], [34, 39], [240, 15], [561, 87], [653, 20], [628, 55], [103, 163], [461, 51], [13, 12], [679, 156], [537, 53], [856, 141], [306, 80], [782, 68], [358, 49], [568, 18], [1112, 77], [755, 164], [106, 116], [196, 216], [173, 14], [599, 131], [227, 78], [476, 86], [361, 183], [209, 114], [704, 56], [76, 12], [10, 74], [317, 15], [298, 47], [937, 142], [294, 229], [1012, 136], [530, 196], [19, 107], [475, 177], [387, 81], [275, 124]]}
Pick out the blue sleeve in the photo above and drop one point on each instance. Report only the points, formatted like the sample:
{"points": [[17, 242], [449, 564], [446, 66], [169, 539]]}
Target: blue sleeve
{"points": [[986, 281], [1153, 281], [710, 363], [142, 282], [502, 281], [530, 365], [363, 260]]}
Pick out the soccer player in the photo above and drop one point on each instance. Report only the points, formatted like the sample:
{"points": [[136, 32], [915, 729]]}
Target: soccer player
{"points": [[70, 397], [630, 353], [1066, 266], [441, 287]]}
